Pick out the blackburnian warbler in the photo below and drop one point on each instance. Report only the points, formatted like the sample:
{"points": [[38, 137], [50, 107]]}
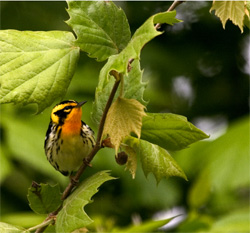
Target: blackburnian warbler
{"points": [[68, 139]]}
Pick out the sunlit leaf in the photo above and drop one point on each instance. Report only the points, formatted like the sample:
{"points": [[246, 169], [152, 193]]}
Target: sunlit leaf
{"points": [[170, 131], [230, 10], [8, 228], [36, 67], [237, 221], [120, 62], [99, 34], [123, 118], [72, 216], [155, 159], [44, 198], [24, 219], [247, 14], [148, 226]]}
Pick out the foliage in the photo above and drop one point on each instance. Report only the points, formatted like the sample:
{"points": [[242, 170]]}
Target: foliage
{"points": [[72, 216], [44, 198], [42, 74], [233, 10], [124, 117], [38, 71]]}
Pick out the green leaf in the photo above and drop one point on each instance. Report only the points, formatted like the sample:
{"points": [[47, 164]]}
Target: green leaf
{"points": [[36, 67], [44, 198], [155, 159], [133, 85], [233, 10], [120, 62], [232, 151], [148, 226], [201, 190], [133, 89], [24, 219], [8, 228], [247, 14], [101, 27], [6, 166], [228, 153], [124, 117], [170, 131], [72, 216], [237, 221]]}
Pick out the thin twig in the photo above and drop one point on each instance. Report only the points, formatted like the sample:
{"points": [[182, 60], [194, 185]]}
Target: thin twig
{"points": [[171, 8], [174, 5], [97, 146], [41, 227]]}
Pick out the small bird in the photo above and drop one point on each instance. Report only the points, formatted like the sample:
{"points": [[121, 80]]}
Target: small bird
{"points": [[68, 139]]}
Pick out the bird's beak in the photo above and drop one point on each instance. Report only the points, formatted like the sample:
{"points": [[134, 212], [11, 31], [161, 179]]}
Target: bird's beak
{"points": [[80, 104]]}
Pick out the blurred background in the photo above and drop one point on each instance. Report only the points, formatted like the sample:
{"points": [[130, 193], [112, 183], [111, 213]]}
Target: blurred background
{"points": [[196, 69]]}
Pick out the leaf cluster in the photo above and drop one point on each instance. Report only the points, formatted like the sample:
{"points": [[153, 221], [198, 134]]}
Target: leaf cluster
{"points": [[38, 67]]}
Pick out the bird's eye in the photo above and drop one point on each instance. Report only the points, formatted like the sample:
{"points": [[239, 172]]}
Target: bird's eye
{"points": [[67, 109]]}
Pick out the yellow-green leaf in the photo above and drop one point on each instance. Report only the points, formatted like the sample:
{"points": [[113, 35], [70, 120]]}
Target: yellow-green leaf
{"points": [[230, 10], [36, 66], [124, 117]]}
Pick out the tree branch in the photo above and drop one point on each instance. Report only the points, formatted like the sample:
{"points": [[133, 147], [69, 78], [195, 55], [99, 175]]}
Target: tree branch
{"points": [[97, 146]]}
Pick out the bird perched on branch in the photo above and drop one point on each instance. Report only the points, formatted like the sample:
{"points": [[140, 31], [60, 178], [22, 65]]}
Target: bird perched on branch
{"points": [[68, 139]]}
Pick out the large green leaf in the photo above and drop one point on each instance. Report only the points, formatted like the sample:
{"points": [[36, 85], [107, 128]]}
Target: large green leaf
{"points": [[72, 216], [120, 62], [237, 221], [24, 219], [227, 165], [36, 67], [233, 10], [170, 131], [44, 198], [101, 27], [155, 159], [8, 228]]}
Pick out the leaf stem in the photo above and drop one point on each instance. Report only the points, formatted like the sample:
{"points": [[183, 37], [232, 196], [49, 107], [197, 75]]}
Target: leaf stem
{"points": [[42, 226], [171, 8]]}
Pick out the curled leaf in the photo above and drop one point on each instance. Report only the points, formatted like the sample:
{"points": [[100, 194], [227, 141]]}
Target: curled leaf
{"points": [[124, 117]]}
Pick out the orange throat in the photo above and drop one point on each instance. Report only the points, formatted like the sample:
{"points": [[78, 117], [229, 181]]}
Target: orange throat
{"points": [[71, 128], [73, 124]]}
